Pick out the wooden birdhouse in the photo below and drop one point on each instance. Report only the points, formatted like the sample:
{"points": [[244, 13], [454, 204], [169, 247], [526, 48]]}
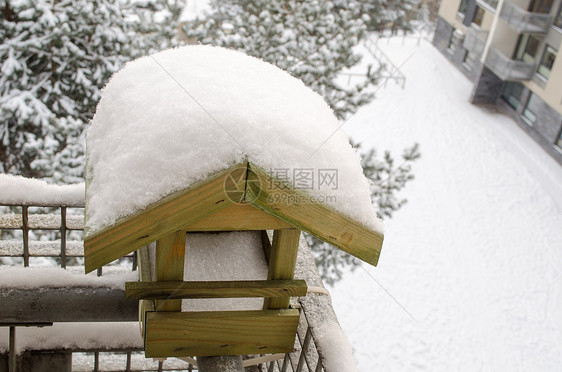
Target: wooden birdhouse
{"points": [[240, 198], [164, 163]]}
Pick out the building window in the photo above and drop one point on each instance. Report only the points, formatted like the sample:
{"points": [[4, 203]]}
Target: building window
{"points": [[529, 111], [512, 94], [469, 60], [454, 41], [478, 16], [526, 48], [547, 61], [541, 6], [558, 20], [462, 8]]}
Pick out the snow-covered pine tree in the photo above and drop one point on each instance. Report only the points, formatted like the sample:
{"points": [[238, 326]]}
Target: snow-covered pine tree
{"points": [[393, 15], [55, 56], [314, 40], [310, 39]]}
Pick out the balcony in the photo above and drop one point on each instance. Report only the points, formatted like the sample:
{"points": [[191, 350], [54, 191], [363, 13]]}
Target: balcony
{"points": [[474, 41], [524, 21], [506, 68]]}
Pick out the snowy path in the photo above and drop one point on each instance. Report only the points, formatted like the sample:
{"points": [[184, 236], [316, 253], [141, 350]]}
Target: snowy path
{"points": [[476, 254]]}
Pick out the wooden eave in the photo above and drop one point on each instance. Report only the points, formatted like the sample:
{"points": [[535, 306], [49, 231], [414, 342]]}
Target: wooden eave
{"points": [[205, 206]]}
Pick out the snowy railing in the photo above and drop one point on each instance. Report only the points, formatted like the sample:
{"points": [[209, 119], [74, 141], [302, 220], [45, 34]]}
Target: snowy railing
{"points": [[506, 68], [524, 21], [33, 232], [475, 41], [38, 231], [392, 71]]}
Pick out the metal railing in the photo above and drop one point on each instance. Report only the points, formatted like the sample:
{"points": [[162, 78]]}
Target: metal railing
{"points": [[391, 71], [491, 3], [50, 227], [506, 68], [524, 21], [475, 41]]}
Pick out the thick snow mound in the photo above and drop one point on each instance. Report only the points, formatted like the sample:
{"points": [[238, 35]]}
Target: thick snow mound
{"points": [[171, 119], [30, 191]]}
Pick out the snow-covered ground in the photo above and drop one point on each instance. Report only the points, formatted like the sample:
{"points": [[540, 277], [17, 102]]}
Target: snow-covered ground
{"points": [[475, 256]]}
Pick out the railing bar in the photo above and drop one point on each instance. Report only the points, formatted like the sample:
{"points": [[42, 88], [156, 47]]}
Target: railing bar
{"points": [[63, 237], [319, 364], [304, 347], [128, 367], [25, 230], [12, 365], [96, 361], [160, 366], [284, 367], [135, 263], [99, 271]]}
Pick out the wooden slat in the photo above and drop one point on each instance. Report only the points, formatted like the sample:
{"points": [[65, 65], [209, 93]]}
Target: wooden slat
{"points": [[215, 289], [282, 261], [170, 257], [317, 219], [266, 245], [237, 217], [211, 333], [170, 214]]}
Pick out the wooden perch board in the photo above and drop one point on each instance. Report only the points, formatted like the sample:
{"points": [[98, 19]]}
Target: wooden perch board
{"points": [[210, 333], [215, 289]]}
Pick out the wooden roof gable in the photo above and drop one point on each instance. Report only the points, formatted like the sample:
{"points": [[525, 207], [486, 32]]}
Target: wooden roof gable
{"points": [[242, 197]]}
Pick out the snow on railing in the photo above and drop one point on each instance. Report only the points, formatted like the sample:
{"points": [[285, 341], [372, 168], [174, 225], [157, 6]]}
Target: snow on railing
{"points": [[54, 213], [392, 72]]}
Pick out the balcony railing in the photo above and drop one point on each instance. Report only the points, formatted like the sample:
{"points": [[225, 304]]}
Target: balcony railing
{"points": [[474, 41], [506, 68], [524, 21], [47, 234]]}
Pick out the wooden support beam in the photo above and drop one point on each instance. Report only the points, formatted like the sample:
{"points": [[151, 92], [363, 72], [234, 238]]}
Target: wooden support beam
{"points": [[209, 333], [300, 210], [266, 245], [170, 256], [238, 217], [216, 289], [282, 261]]}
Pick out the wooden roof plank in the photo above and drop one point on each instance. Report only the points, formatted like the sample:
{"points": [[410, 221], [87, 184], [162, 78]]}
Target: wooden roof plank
{"points": [[168, 215], [297, 208]]}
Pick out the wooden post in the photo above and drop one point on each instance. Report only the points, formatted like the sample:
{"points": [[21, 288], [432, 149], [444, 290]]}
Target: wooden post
{"points": [[282, 261], [170, 256], [225, 363]]}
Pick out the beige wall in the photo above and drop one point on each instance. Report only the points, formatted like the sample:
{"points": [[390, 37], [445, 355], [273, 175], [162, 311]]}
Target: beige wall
{"points": [[448, 11], [505, 38]]}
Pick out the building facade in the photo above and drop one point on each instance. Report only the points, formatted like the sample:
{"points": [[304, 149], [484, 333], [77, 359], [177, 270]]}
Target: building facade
{"points": [[509, 48]]}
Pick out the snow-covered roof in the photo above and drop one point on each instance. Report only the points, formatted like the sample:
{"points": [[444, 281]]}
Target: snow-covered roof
{"points": [[169, 120]]}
